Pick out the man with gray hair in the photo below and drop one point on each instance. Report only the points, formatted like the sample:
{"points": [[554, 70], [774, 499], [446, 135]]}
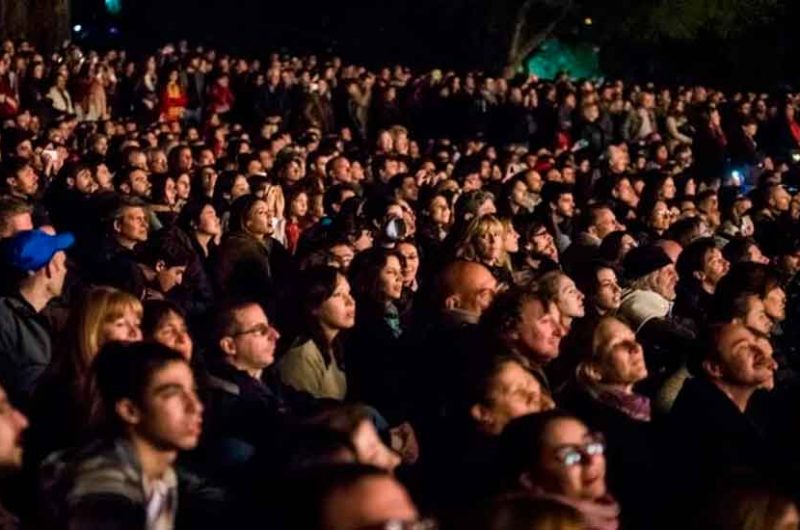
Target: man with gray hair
{"points": [[647, 308]]}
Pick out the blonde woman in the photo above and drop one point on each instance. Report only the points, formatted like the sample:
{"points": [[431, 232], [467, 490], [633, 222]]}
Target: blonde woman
{"points": [[484, 241], [66, 405]]}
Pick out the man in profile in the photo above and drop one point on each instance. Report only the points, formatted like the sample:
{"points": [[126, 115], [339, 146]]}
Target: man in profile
{"points": [[127, 479]]}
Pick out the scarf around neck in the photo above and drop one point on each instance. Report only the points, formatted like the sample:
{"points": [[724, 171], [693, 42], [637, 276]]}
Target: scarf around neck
{"points": [[602, 514]]}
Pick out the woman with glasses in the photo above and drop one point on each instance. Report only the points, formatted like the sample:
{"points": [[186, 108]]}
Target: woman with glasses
{"points": [[602, 394], [555, 455]]}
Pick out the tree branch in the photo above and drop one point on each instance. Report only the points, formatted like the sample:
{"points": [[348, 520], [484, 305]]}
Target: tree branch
{"points": [[519, 50]]}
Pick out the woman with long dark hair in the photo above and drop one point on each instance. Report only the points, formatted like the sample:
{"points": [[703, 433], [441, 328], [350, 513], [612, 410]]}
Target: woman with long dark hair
{"points": [[314, 362], [375, 363]]}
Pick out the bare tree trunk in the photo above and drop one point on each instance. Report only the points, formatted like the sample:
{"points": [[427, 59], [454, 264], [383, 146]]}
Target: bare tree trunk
{"points": [[523, 41], [46, 22]]}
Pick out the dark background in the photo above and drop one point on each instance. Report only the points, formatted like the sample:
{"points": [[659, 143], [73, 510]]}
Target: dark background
{"points": [[431, 33]]}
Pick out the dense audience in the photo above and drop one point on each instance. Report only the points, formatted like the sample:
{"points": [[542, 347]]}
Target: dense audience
{"points": [[298, 293]]}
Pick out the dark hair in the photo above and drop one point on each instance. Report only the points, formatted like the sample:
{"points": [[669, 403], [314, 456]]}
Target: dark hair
{"points": [[505, 313], [708, 348], [11, 167], [333, 195], [586, 276], [744, 279], [692, 258], [240, 210], [155, 311], [396, 182], [684, 231], [738, 249], [124, 370], [316, 485], [521, 445], [123, 176], [159, 182], [552, 191], [611, 247], [316, 285], [365, 273], [755, 278], [189, 218], [168, 245], [225, 323], [591, 213]]}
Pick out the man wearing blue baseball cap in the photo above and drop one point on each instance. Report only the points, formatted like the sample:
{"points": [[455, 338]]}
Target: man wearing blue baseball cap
{"points": [[36, 265]]}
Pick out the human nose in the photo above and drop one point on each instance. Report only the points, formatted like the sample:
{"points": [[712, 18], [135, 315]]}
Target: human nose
{"points": [[21, 420], [193, 403]]}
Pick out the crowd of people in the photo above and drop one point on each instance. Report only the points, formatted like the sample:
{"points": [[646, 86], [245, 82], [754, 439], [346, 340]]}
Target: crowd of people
{"points": [[303, 294]]}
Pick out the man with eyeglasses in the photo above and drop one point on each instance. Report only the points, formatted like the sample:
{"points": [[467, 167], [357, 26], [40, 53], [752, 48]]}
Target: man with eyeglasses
{"points": [[243, 413]]}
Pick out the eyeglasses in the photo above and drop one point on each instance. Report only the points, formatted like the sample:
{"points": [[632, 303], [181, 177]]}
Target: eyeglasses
{"points": [[396, 524], [259, 330], [573, 455]]}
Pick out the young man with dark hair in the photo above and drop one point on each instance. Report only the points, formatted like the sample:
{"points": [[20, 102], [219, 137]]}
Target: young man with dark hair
{"points": [[700, 268], [595, 223], [163, 261], [127, 479], [558, 211], [19, 178]]}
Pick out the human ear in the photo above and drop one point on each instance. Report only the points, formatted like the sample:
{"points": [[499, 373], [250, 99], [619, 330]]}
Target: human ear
{"points": [[589, 370], [712, 369], [451, 302], [227, 346], [481, 414], [128, 411]]}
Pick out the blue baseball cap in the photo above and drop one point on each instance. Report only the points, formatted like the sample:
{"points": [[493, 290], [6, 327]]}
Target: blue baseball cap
{"points": [[30, 250]]}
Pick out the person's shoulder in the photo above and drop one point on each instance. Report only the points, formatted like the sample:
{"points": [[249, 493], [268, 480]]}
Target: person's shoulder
{"points": [[303, 347], [99, 468]]}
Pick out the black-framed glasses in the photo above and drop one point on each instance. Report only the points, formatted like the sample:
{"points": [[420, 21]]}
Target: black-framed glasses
{"points": [[573, 455], [259, 330]]}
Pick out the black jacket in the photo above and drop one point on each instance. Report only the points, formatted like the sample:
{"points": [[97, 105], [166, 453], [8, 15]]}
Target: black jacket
{"points": [[375, 366], [710, 444], [631, 453], [25, 349]]}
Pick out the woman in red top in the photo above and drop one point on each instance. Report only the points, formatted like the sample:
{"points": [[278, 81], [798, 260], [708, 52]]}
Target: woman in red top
{"points": [[220, 96], [297, 218], [173, 98]]}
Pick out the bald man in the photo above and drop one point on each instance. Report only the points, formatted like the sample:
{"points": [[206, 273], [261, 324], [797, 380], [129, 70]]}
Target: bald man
{"points": [[442, 344], [466, 290]]}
